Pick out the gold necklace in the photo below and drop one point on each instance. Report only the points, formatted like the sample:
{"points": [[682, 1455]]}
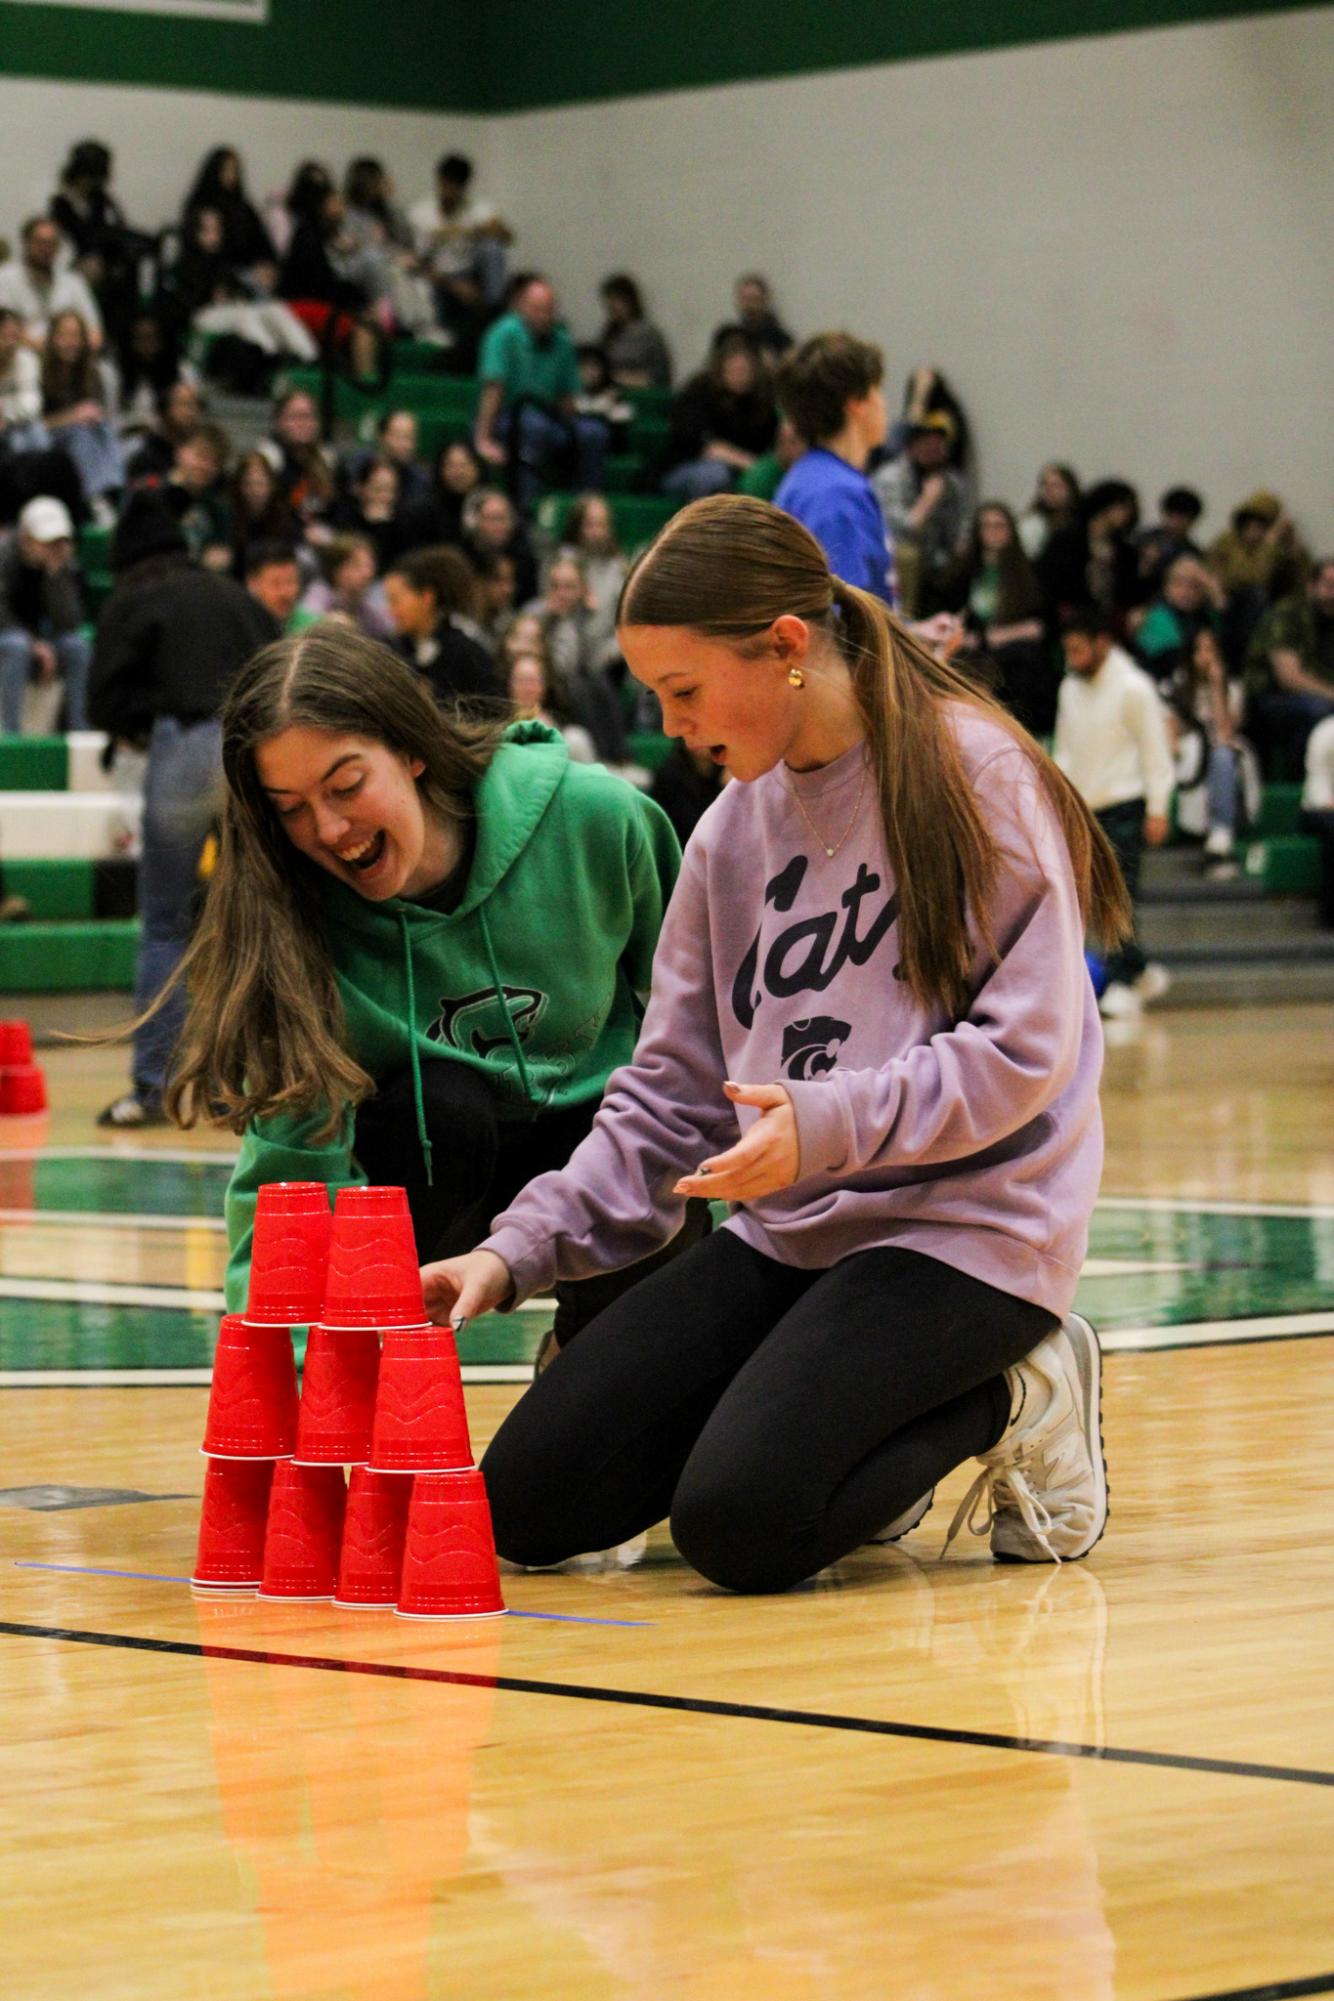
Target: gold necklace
{"points": [[831, 852]]}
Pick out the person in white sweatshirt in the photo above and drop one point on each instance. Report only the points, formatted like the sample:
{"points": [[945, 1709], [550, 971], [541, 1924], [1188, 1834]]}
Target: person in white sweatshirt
{"points": [[1112, 744]]}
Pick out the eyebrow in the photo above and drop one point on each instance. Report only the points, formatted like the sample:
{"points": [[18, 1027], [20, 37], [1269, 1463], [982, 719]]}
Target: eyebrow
{"points": [[338, 762]]}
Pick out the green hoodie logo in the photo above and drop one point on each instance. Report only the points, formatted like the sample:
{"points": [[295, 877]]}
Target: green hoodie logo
{"points": [[464, 1023]]}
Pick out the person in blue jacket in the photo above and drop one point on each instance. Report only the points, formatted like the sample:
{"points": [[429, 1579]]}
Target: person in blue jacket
{"points": [[831, 389]]}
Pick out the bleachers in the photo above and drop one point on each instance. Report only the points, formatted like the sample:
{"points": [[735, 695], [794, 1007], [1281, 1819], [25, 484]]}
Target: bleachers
{"points": [[445, 406], [68, 831]]}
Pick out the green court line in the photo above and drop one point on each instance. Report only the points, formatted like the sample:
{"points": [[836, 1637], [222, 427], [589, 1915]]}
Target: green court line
{"points": [[1240, 1266], [58, 1335]]}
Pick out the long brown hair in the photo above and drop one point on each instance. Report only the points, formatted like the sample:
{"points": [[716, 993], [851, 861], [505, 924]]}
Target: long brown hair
{"points": [[1019, 594], [726, 568], [65, 383], [265, 1032]]}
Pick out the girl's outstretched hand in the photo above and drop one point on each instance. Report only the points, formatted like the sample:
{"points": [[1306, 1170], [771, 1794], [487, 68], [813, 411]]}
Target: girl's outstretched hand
{"points": [[460, 1288], [763, 1160]]}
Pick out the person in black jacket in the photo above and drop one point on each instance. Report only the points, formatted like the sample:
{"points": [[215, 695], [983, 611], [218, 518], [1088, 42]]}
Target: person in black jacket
{"points": [[430, 595], [220, 184], [328, 284], [721, 421], [169, 639]]}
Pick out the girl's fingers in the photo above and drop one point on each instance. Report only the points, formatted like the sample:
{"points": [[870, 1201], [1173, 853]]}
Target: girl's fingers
{"points": [[766, 1096]]}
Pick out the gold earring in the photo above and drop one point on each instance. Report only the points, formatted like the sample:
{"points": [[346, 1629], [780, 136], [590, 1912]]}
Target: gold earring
{"points": [[796, 677]]}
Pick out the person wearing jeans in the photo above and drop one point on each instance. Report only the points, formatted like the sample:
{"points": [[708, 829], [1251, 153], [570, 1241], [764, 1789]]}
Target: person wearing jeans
{"points": [[526, 419], [1112, 744], [41, 614], [181, 793], [170, 638]]}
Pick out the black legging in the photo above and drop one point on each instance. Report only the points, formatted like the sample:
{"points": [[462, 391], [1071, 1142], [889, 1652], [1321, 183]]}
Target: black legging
{"points": [[479, 1162], [780, 1417]]}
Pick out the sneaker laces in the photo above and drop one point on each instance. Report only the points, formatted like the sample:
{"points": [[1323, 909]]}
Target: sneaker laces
{"points": [[997, 1488]]}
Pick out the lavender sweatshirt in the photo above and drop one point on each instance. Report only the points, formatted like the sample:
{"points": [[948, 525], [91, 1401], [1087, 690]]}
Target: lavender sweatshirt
{"points": [[977, 1141]]}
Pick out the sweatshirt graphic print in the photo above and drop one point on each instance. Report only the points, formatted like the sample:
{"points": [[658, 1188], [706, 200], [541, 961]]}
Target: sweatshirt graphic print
{"points": [[976, 1141]]}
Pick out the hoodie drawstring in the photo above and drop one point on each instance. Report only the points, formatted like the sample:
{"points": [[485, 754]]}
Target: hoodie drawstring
{"points": [[423, 1137], [515, 1043]]}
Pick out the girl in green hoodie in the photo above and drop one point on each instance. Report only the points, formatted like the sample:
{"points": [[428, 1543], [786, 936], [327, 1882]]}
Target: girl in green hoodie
{"points": [[423, 952]]}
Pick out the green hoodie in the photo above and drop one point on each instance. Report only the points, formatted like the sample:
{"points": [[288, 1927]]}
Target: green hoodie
{"points": [[534, 978]]}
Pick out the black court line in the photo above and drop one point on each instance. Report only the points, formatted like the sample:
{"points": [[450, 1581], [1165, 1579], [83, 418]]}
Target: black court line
{"points": [[1274, 1990], [812, 1719]]}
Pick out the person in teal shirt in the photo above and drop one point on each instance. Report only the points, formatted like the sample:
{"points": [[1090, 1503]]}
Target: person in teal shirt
{"points": [[424, 951], [526, 419]]}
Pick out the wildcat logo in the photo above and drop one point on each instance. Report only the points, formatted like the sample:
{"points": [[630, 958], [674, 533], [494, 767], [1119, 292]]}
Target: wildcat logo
{"points": [[810, 1047], [475, 1021]]}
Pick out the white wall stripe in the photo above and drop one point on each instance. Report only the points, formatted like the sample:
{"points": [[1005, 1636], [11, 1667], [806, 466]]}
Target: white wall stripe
{"points": [[76, 1292], [1212, 1333], [107, 1219], [1166, 1205], [121, 1150]]}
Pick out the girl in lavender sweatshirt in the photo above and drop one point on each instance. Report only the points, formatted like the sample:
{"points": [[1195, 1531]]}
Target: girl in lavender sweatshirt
{"points": [[871, 1032]]}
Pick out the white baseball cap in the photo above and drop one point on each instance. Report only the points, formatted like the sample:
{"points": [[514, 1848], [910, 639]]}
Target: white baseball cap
{"points": [[46, 520]]}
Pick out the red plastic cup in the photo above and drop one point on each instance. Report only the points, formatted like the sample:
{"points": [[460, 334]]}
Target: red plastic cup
{"points": [[232, 1524], [449, 1556], [305, 1529], [374, 1279], [421, 1425], [289, 1254], [252, 1405], [22, 1090], [333, 1426], [373, 1531], [15, 1043]]}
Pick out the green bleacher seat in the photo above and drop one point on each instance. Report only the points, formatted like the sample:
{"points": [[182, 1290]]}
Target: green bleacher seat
{"points": [[411, 355], [638, 516], [95, 546], [1280, 810], [62, 888], [649, 434], [623, 473], [1288, 864], [442, 396], [649, 748], [649, 402], [68, 958], [33, 764]]}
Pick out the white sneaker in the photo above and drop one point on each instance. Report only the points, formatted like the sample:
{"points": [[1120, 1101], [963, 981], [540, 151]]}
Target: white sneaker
{"points": [[905, 1523], [1044, 1483], [1219, 842], [1153, 982], [1119, 1002]]}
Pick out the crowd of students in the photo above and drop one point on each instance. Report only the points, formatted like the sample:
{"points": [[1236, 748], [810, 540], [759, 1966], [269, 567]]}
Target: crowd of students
{"points": [[443, 558]]}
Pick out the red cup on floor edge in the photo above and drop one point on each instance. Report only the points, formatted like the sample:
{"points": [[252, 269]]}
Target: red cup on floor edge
{"points": [[449, 1555], [15, 1043], [22, 1090], [305, 1530], [374, 1528], [232, 1523]]}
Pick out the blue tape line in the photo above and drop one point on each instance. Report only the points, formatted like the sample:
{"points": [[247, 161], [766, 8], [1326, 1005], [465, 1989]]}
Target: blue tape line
{"points": [[84, 1570]]}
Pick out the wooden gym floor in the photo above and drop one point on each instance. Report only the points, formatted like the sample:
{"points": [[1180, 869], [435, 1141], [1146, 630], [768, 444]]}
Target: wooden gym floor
{"points": [[936, 1782]]}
